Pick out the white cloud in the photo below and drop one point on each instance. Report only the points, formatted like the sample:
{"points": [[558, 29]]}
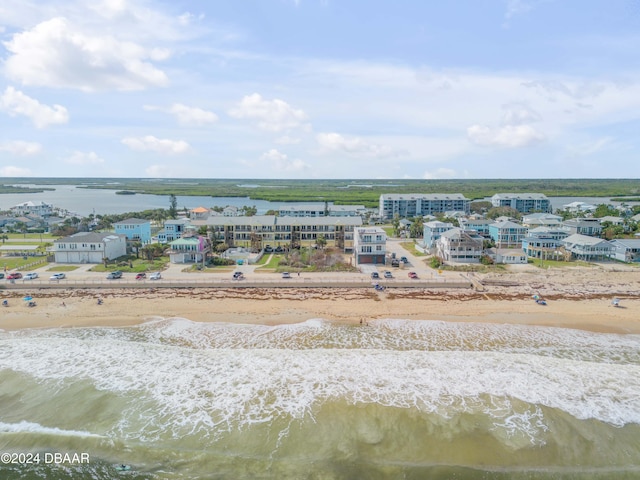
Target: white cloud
{"points": [[56, 54], [187, 115], [519, 114], [14, 102], [272, 115], [355, 146], [287, 140], [84, 158], [440, 173], [20, 148], [160, 171], [11, 171], [158, 145], [280, 161], [508, 136]]}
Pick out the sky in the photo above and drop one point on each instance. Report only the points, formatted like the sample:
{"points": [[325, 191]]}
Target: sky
{"points": [[320, 89]]}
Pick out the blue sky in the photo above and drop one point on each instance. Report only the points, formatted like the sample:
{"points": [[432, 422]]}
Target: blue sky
{"points": [[320, 88]]}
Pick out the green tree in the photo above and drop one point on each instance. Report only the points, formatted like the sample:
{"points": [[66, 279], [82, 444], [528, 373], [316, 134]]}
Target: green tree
{"points": [[604, 210], [4, 237], [417, 227], [321, 241], [173, 206], [396, 225]]}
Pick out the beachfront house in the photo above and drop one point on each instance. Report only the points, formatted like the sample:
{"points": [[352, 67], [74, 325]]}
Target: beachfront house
{"points": [[544, 247], [507, 234], [418, 204], [626, 249], [432, 231], [458, 245], [523, 202], [89, 247], [584, 247], [584, 226], [508, 256], [370, 245], [135, 229], [188, 249]]}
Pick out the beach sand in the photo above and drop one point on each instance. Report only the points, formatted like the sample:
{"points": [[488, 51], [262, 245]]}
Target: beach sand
{"points": [[576, 298]]}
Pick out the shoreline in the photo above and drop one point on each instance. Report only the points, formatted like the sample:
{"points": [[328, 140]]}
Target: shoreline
{"points": [[70, 308]]}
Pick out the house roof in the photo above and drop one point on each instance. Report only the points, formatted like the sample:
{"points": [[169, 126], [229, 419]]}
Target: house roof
{"points": [[627, 242], [199, 210], [507, 224], [541, 216], [521, 196], [133, 221], [90, 237], [423, 196], [583, 240]]}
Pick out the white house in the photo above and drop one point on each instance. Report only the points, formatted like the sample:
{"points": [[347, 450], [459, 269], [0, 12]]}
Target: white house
{"points": [[41, 209], [509, 256], [457, 245], [230, 211], [626, 249], [584, 247], [89, 247], [534, 220], [369, 245]]}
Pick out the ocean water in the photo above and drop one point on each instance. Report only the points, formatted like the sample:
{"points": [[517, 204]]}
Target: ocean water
{"points": [[174, 399]]}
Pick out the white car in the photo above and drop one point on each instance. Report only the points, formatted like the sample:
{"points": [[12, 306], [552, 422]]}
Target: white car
{"points": [[31, 276], [155, 276], [57, 276], [286, 275]]}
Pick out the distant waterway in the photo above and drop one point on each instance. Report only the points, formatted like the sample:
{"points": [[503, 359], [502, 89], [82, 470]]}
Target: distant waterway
{"points": [[85, 201]]}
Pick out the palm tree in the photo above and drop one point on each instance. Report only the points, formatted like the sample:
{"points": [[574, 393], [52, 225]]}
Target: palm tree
{"points": [[4, 237]]}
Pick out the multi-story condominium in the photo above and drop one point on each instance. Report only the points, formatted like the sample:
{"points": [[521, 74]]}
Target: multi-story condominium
{"points": [[583, 247], [369, 245], [626, 249], [89, 247], [190, 249], [262, 231], [457, 245], [432, 231], [480, 225], [320, 210], [41, 209], [135, 229], [534, 220], [523, 202], [584, 226], [173, 229], [418, 204], [507, 234]]}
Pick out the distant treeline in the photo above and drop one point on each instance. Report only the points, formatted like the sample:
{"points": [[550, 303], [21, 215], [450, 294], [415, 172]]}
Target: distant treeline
{"points": [[348, 191]]}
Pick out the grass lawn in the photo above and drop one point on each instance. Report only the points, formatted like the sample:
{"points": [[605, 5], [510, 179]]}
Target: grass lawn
{"points": [[19, 262], [388, 229], [135, 265], [560, 264], [269, 262], [22, 236], [411, 247]]}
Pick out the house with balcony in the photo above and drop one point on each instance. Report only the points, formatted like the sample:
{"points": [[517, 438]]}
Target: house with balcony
{"points": [[523, 202], [460, 246], [544, 247], [626, 249], [173, 229], [135, 229], [89, 247], [188, 249], [432, 231], [369, 245], [230, 211], [41, 209], [587, 248], [480, 225], [199, 213], [584, 226], [507, 234]]}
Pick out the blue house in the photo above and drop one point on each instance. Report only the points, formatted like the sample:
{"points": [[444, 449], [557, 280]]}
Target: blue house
{"points": [[432, 232], [507, 234], [135, 229], [173, 230]]}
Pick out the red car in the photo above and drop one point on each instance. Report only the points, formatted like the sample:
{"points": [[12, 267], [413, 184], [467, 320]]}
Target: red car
{"points": [[141, 276], [14, 276], [413, 275]]}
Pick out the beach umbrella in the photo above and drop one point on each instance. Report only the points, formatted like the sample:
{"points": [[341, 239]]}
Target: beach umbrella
{"points": [[28, 298]]}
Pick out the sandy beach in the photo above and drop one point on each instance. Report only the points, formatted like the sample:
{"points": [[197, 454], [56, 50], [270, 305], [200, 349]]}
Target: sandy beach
{"points": [[575, 299]]}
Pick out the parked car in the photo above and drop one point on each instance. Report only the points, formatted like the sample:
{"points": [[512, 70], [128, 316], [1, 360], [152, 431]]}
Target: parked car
{"points": [[395, 262], [238, 275], [114, 275], [31, 276], [375, 275], [388, 274], [286, 275], [268, 249], [404, 259], [155, 276], [1, 275], [413, 275], [14, 276], [57, 276], [141, 276]]}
